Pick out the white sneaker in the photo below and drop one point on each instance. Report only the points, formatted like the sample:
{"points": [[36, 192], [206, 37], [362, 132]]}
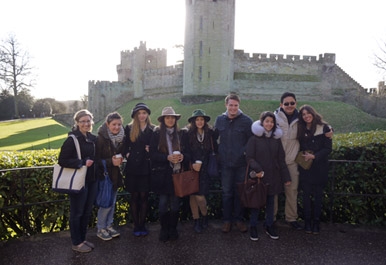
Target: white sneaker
{"points": [[113, 232], [104, 235]]}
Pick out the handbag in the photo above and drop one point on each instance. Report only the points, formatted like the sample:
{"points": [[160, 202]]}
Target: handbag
{"points": [[252, 192], [186, 182], [69, 180], [212, 163], [104, 198], [302, 162]]}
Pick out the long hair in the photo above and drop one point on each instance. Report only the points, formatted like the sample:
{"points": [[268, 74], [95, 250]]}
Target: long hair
{"points": [[163, 144], [302, 126], [78, 115], [192, 132], [135, 125]]}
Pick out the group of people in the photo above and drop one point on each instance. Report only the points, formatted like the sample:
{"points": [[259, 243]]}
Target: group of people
{"points": [[153, 153]]}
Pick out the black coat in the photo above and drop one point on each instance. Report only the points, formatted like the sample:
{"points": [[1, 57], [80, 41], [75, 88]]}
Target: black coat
{"points": [[321, 146], [267, 154], [201, 151], [105, 150], [161, 171], [68, 156], [137, 170]]}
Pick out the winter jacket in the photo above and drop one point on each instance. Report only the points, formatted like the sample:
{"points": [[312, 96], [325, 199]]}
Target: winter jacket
{"points": [[105, 150], [68, 156], [233, 137], [321, 146], [289, 138], [267, 154], [161, 170]]}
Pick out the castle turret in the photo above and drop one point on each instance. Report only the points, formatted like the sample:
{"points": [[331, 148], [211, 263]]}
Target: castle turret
{"points": [[209, 47]]}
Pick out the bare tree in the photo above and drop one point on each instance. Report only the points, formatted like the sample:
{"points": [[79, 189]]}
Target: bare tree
{"points": [[15, 69], [380, 57]]}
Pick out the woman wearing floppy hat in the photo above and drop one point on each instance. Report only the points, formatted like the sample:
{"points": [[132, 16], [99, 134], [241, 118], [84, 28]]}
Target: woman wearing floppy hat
{"points": [[137, 172], [201, 141], [167, 140]]}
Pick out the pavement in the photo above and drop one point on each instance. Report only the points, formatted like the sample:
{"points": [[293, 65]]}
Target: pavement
{"points": [[336, 244]]}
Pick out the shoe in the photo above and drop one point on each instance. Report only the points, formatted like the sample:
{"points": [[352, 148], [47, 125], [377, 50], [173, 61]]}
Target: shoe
{"points": [[307, 227], [226, 227], [295, 225], [173, 233], [253, 233], [83, 248], [91, 245], [163, 235], [113, 232], [197, 226], [270, 231], [242, 227], [104, 235], [204, 223], [136, 232], [143, 231], [316, 228]]}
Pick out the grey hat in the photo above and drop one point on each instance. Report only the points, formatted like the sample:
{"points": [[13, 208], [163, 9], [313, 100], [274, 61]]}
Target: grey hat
{"points": [[199, 113], [168, 111], [140, 106]]}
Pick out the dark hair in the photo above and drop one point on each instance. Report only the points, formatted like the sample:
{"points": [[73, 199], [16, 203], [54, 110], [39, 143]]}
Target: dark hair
{"points": [[163, 144], [265, 115], [192, 132], [113, 116], [285, 95], [302, 126], [232, 96]]}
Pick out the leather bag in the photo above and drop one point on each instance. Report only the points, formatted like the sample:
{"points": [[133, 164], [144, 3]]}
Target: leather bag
{"points": [[252, 192], [104, 198], [69, 180], [212, 163], [186, 182], [302, 162]]}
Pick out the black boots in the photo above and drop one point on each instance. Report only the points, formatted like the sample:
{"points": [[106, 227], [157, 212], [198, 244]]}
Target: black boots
{"points": [[164, 233], [315, 227], [197, 226], [204, 223], [307, 226], [173, 222]]}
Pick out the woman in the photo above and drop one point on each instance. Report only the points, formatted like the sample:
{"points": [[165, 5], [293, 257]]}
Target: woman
{"points": [[201, 144], [266, 158], [167, 155], [137, 181], [81, 204], [110, 145], [316, 146]]}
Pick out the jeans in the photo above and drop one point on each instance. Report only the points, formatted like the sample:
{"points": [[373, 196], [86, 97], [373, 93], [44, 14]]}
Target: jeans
{"points": [[269, 209], [166, 201], [81, 205], [309, 191], [230, 197], [105, 216]]}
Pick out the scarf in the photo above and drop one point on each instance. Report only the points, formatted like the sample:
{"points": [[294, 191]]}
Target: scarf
{"points": [[116, 139], [169, 138]]}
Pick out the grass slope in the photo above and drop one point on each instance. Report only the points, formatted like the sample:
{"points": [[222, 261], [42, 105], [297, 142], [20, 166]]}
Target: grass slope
{"points": [[46, 133]]}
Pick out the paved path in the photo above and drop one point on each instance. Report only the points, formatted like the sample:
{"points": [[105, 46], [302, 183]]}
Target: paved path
{"points": [[336, 244]]}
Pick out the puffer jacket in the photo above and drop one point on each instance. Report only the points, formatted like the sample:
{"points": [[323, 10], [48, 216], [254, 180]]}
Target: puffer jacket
{"points": [[289, 138], [233, 137], [105, 150]]}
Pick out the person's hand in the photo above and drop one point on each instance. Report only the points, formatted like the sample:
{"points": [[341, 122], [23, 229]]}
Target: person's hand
{"points": [[117, 160], [196, 167], [147, 148], [330, 133], [260, 174], [89, 162], [287, 183], [308, 156]]}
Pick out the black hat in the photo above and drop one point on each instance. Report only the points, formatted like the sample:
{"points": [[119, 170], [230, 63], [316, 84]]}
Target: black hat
{"points": [[199, 113], [140, 106]]}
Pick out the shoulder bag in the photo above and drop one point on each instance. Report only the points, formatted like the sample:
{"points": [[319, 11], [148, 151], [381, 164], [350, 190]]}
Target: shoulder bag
{"points": [[104, 198], [186, 182], [302, 162], [212, 164], [69, 180], [252, 192]]}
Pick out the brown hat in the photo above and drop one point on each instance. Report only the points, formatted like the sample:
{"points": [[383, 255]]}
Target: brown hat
{"points": [[199, 113], [168, 111]]}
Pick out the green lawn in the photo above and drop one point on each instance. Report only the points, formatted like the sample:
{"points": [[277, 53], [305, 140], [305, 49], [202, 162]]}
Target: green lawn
{"points": [[46, 133]]}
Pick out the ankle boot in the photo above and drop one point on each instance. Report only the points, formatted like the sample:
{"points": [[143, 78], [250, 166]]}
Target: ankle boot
{"points": [[173, 221], [197, 226], [316, 227], [164, 233], [204, 223], [307, 226]]}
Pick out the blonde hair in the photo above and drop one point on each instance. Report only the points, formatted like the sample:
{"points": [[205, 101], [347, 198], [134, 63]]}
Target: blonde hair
{"points": [[78, 115], [136, 127]]}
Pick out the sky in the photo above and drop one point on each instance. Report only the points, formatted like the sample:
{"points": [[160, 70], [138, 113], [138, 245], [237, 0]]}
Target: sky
{"points": [[71, 42]]}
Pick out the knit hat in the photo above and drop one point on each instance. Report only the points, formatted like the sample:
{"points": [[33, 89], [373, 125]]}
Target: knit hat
{"points": [[199, 113], [140, 106], [168, 111]]}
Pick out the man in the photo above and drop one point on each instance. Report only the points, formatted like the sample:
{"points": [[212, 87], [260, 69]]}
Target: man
{"points": [[234, 130]]}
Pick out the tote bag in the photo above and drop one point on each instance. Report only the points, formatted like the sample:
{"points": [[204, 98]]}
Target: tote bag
{"points": [[186, 182], [69, 180], [105, 190]]}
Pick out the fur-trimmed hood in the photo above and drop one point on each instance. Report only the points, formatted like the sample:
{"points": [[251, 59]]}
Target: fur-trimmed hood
{"points": [[258, 130]]}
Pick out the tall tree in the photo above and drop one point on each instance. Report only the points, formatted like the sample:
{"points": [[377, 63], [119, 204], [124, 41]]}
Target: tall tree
{"points": [[15, 69]]}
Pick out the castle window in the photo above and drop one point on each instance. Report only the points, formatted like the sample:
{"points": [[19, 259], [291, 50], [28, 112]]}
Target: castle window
{"points": [[200, 73], [201, 48]]}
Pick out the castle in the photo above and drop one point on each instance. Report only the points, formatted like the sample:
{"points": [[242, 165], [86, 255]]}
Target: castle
{"points": [[212, 67]]}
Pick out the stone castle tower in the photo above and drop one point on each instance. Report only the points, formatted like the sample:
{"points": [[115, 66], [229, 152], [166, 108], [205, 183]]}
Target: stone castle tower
{"points": [[212, 68], [208, 48]]}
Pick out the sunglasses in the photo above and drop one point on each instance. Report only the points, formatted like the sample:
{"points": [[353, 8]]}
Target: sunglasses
{"points": [[288, 103]]}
